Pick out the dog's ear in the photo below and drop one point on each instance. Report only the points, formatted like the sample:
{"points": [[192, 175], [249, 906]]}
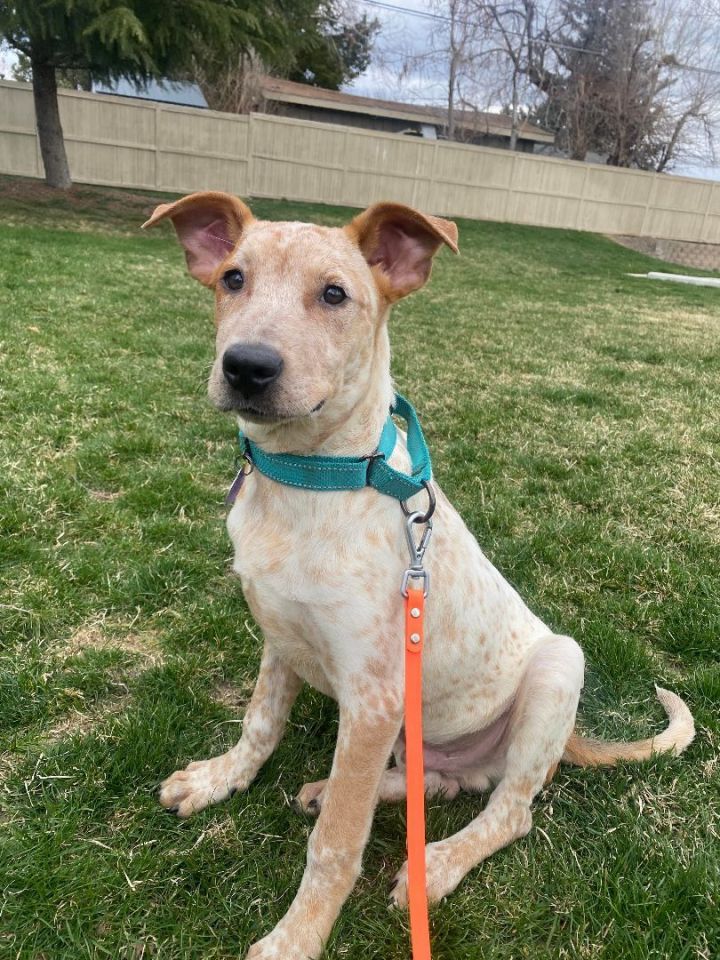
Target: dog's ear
{"points": [[208, 226], [401, 243]]}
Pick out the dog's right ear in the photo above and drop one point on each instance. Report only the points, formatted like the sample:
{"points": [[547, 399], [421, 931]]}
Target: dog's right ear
{"points": [[208, 226]]}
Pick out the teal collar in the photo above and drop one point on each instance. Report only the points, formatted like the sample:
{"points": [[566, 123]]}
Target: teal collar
{"points": [[353, 473]]}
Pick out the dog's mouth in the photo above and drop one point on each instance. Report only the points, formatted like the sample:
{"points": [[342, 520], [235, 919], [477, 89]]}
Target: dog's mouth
{"points": [[249, 411]]}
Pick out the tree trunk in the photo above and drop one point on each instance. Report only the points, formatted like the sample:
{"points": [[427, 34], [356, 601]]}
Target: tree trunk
{"points": [[50, 134], [514, 116], [451, 100]]}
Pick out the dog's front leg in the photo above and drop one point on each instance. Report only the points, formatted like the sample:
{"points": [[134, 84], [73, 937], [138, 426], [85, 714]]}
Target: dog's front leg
{"points": [[365, 741], [211, 781]]}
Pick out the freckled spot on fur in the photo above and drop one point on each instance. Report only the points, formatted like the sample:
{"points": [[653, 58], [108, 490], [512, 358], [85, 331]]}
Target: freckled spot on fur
{"points": [[372, 702]]}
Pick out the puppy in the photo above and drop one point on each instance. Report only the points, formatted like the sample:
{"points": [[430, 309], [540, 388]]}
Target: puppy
{"points": [[303, 361]]}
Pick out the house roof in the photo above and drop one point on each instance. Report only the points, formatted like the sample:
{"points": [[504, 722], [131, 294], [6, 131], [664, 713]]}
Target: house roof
{"points": [[165, 91], [286, 91]]}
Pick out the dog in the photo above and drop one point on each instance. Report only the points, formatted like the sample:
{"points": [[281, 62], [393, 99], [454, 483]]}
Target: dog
{"points": [[303, 361]]}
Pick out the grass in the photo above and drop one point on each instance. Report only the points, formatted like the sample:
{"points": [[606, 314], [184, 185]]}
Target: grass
{"points": [[573, 415]]}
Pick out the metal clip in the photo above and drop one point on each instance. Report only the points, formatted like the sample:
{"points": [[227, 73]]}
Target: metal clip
{"points": [[424, 517], [416, 570]]}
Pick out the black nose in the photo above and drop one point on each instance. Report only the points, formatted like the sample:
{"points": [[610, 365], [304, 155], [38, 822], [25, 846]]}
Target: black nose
{"points": [[250, 368]]}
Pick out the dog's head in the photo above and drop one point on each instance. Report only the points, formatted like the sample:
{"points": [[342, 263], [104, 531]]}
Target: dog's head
{"points": [[299, 306]]}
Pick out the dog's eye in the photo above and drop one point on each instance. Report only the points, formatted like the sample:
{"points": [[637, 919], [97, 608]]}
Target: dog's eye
{"points": [[233, 279], [333, 294]]}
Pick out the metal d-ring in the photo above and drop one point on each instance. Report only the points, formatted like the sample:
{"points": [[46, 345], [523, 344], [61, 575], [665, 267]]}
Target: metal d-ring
{"points": [[432, 502], [244, 462]]}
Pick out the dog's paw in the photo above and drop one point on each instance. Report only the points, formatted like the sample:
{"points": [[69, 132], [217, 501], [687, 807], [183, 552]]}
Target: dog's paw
{"points": [[199, 785], [309, 800], [278, 945], [442, 877]]}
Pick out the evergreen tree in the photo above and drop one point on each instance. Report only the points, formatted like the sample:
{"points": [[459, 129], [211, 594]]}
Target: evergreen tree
{"points": [[136, 39], [332, 49], [325, 47]]}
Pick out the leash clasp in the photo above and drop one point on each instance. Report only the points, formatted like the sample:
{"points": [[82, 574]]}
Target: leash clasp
{"points": [[417, 548]]}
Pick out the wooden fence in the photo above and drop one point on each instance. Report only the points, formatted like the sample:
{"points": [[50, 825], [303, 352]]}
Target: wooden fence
{"points": [[151, 146]]}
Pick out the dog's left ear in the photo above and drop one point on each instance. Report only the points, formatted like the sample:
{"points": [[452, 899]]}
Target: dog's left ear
{"points": [[401, 242]]}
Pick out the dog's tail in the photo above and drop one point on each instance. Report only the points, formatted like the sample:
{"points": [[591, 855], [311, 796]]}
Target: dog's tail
{"points": [[678, 735]]}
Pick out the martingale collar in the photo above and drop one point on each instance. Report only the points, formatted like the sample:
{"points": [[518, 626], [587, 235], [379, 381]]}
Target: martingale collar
{"points": [[353, 473]]}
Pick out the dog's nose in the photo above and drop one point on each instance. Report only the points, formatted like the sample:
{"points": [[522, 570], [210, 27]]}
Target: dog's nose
{"points": [[250, 368]]}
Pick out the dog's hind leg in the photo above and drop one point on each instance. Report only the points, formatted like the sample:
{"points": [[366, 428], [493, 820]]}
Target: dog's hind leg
{"points": [[210, 781], [393, 789], [543, 719]]}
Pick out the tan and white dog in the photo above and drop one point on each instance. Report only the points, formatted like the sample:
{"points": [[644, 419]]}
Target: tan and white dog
{"points": [[303, 359]]}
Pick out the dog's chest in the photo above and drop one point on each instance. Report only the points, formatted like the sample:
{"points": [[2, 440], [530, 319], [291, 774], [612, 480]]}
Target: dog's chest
{"points": [[307, 547], [316, 569], [321, 573]]}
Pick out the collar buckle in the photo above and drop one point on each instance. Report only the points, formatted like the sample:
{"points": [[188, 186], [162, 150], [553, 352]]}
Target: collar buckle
{"points": [[371, 458]]}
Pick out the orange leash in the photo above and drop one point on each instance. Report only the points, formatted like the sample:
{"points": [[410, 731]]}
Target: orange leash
{"points": [[415, 773]]}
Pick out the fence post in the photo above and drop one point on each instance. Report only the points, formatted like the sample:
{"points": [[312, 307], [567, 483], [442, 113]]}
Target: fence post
{"points": [[250, 165], [39, 169], [581, 200], [703, 229], [414, 201], [648, 205], [433, 171], [345, 156], [510, 192], [157, 145]]}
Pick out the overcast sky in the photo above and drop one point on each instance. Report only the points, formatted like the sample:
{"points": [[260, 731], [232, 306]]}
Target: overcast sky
{"points": [[402, 34]]}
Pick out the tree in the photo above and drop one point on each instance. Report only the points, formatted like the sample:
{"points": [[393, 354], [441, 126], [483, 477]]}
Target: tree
{"points": [[461, 47], [613, 77], [324, 45], [636, 81], [453, 59], [690, 105], [334, 48], [509, 32], [66, 79], [136, 39], [230, 84], [618, 79]]}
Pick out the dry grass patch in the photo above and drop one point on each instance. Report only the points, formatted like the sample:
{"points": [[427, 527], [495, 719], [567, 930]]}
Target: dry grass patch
{"points": [[145, 645], [78, 722], [8, 764], [231, 695], [105, 496]]}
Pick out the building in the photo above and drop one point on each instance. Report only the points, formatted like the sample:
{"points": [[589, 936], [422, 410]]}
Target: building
{"points": [[180, 93], [299, 100], [304, 102]]}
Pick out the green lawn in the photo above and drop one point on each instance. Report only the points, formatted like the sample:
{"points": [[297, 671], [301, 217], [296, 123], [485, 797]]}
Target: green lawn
{"points": [[574, 418]]}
